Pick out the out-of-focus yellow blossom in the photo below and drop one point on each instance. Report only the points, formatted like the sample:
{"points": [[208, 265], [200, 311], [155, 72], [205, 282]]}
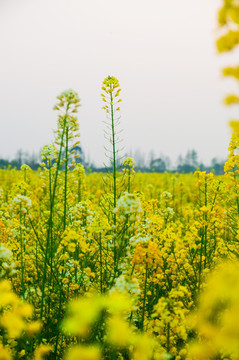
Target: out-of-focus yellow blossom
{"points": [[33, 327], [216, 319], [234, 124], [81, 352], [41, 352], [231, 71], [82, 314], [7, 296], [14, 311], [118, 331], [229, 41], [143, 347], [22, 353], [4, 353], [231, 100]]}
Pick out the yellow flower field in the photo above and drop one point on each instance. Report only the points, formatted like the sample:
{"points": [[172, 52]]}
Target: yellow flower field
{"points": [[119, 265], [83, 280]]}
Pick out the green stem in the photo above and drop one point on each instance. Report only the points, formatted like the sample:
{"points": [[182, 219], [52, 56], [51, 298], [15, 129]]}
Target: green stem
{"points": [[168, 338], [79, 188], [129, 182], [66, 170], [50, 222], [144, 299], [64, 226], [22, 261], [205, 227], [101, 268], [114, 171]]}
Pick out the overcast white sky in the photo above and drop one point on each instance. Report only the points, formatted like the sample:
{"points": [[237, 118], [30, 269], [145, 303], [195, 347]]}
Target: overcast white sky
{"points": [[162, 52]]}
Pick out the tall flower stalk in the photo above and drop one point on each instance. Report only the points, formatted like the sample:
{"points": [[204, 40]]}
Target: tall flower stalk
{"points": [[111, 98], [67, 130], [57, 159]]}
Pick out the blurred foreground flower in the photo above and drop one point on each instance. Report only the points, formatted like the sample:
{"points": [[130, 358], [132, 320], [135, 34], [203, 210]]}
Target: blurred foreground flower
{"points": [[84, 353], [234, 124], [216, 320], [101, 323]]}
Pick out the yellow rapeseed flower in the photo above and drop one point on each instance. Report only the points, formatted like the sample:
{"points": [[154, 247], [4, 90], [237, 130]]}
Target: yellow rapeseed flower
{"points": [[81, 352], [41, 352]]}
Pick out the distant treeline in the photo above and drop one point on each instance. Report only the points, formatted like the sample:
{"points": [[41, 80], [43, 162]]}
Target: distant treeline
{"points": [[186, 164]]}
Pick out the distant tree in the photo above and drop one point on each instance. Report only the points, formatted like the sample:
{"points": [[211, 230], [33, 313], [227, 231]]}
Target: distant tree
{"points": [[19, 158], [202, 167], [189, 163], [158, 165], [151, 157], [180, 160], [194, 158], [14, 163], [191, 158], [33, 161], [139, 158], [186, 168], [4, 163], [167, 161], [217, 165]]}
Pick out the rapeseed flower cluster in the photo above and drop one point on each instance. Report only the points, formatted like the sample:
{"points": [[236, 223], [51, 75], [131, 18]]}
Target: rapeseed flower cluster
{"points": [[154, 257]]}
